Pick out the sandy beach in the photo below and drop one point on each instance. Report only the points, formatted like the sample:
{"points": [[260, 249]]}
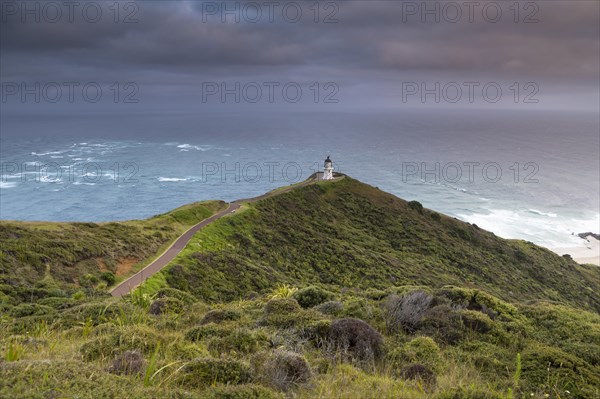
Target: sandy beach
{"points": [[588, 252]]}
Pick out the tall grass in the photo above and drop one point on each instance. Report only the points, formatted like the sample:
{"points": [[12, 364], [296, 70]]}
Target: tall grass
{"points": [[14, 352], [282, 291]]}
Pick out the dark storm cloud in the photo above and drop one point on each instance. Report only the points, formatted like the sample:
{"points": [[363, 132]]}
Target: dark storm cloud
{"points": [[177, 43]]}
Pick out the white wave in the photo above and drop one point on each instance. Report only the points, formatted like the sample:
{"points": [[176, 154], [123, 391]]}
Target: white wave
{"points": [[195, 147], [47, 153], [172, 179], [4, 184], [541, 228], [56, 156], [549, 214], [79, 183], [50, 179]]}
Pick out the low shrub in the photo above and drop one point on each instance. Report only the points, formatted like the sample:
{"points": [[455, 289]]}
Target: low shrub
{"points": [[481, 301], [331, 308], [108, 277], [422, 350], [317, 332], [31, 309], [358, 308], [183, 296], [418, 372], [58, 303], [443, 323], [245, 391], [140, 338], [287, 313], [198, 333], [219, 315], [375, 294], [416, 205], [405, 312], [95, 312], [239, 342], [207, 371], [127, 363], [469, 393], [166, 305], [355, 338], [281, 305], [281, 370], [547, 369], [311, 296], [476, 321]]}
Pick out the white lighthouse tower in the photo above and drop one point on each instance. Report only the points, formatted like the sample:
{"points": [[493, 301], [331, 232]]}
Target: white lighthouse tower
{"points": [[328, 170]]}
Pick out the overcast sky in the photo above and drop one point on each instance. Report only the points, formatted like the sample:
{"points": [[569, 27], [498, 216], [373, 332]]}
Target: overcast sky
{"points": [[374, 52]]}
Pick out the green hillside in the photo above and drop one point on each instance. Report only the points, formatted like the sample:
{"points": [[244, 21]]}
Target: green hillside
{"points": [[44, 255], [348, 234], [329, 290]]}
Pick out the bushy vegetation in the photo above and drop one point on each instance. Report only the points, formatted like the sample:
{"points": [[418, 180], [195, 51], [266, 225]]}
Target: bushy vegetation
{"points": [[65, 256], [273, 310], [274, 348], [349, 234]]}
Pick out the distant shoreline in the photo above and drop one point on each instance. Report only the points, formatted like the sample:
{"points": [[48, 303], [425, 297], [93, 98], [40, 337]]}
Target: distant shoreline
{"points": [[587, 252]]}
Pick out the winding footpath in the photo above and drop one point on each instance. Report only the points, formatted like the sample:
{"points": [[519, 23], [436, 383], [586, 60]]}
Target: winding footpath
{"points": [[179, 244], [126, 286]]}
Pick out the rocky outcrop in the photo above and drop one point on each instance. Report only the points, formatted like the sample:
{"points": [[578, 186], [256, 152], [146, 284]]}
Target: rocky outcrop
{"points": [[586, 235]]}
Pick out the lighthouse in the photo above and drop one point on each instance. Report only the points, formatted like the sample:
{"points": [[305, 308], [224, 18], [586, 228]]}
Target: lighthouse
{"points": [[328, 170]]}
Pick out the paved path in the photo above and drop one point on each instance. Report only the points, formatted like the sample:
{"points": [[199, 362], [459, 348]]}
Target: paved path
{"points": [[169, 254], [126, 286]]}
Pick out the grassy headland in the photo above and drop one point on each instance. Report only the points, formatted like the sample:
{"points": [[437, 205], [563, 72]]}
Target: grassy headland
{"points": [[330, 290]]}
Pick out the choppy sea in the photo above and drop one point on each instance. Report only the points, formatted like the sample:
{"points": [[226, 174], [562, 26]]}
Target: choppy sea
{"points": [[521, 174]]}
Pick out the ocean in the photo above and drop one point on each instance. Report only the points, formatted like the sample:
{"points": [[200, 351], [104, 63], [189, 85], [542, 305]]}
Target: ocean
{"points": [[533, 175]]}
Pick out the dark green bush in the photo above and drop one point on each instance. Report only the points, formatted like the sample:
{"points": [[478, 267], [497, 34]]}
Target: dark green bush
{"points": [[31, 309], [422, 350], [207, 371], [141, 338], [280, 369], [476, 321], [127, 363], [331, 308], [311, 296], [219, 315], [356, 338], [245, 391], [418, 372], [96, 312], [57, 302], [282, 305], [416, 205], [108, 277], [358, 308], [166, 306], [287, 313], [183, 296], [238, 341], [546, 369], [469, 393], [198, 333], [375, 294], [317, 331], [443, 323]]}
